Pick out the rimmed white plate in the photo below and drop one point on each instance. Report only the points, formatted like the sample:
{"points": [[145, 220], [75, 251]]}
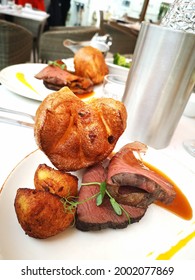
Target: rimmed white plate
{"points": [[159, 231], [32, 88], [36, 90]]}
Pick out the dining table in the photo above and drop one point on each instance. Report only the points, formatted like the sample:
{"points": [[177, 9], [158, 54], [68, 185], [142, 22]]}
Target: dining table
{"points": [[128, 27], [24, 12], [32, 19]]}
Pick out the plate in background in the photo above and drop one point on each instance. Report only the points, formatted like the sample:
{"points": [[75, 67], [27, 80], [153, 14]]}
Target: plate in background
{"points": [[33, 88], [116, 69]]}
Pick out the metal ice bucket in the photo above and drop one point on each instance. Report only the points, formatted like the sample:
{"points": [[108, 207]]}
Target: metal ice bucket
{"points": [[159, 84]]}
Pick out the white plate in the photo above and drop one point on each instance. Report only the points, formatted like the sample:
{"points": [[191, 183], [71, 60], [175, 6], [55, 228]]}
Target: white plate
{"points": [[156, 233], [116, 69], [10, 81]]}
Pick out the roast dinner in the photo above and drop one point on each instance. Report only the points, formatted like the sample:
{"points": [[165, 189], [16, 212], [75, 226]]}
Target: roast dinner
{"points": [[89, 70], [116, 188]]}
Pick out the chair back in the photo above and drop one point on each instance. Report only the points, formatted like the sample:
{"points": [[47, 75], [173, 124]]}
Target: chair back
{"points": [[15, 44], [122, 42], [51, 42]]}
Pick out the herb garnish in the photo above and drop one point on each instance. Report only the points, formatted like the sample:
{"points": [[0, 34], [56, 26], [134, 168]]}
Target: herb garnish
{"points": [[58, 64], [118, 209]]}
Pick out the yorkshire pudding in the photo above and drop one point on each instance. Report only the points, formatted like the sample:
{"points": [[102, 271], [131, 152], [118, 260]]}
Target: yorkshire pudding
{"points": [[90, 63], [74, 134]]}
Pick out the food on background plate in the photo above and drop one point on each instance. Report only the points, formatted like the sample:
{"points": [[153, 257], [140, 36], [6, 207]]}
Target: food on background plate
{"points": [[120, 193], [55, 76], [90, 69], [56, 182], [121, 60], [40, 213], [74, 134], [89, 62]]}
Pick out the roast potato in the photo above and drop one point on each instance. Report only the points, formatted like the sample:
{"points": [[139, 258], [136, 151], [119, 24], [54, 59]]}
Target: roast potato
{"points": [[56, 182], [41, 214]]}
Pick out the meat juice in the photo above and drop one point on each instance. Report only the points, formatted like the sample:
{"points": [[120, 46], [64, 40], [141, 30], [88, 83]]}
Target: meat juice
{"points": [[85, 95], [180, 205]]}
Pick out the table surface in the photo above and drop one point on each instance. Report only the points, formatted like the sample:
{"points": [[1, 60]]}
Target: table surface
{"points": [[17, 142], [132, 28], [24, 13]]}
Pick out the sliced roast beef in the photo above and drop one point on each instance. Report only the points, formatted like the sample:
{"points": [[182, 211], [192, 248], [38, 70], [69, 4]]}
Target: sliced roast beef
{"points": [[131, 196], [55, 78], [127, 170], [93, 217], [129, 182]]}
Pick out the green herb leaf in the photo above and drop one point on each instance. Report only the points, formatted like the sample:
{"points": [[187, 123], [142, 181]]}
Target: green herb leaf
{"points": [[99, 199], [55, 63], [101, 195], [116, 206], [118, 209]]}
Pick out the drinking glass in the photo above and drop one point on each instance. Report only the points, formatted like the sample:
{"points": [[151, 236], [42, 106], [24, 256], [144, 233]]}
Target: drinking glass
{"points": [[189, 146], [189, 111], [114, 86]]}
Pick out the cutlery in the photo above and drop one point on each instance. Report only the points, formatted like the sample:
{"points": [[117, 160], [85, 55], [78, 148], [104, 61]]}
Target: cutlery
{"points": [[16, 121]]}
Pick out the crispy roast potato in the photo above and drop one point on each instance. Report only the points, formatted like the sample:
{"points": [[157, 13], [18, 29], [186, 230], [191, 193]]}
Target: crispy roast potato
{"points": [[55, 181], [41, 214]]}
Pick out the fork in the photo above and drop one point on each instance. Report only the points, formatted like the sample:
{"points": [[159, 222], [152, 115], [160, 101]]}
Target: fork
{"points": [[15, 121]]}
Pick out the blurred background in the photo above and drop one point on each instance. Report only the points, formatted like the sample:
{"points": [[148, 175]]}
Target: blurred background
{"points": [[153, 10]]}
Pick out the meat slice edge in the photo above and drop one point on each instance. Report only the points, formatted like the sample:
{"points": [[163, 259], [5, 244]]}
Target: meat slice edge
{"points": [[125, 169]]}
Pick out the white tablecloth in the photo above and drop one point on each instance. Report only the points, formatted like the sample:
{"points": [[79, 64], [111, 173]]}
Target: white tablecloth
{"points": [[17, 142], [24, 13]]}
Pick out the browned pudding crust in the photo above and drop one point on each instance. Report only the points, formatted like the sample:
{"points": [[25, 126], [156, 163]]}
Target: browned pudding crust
{"points": [[74, 134], [90, 63]]}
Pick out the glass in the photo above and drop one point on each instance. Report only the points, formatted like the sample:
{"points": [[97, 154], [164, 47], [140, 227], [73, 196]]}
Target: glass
{"points": [[189, 146], [114, 86]]}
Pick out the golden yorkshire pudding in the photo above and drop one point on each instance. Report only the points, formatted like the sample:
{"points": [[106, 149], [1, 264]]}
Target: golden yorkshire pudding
{"points": [[74, 134], [90, 63]]}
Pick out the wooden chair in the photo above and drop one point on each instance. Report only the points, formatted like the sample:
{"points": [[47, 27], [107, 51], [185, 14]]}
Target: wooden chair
{"points": [[15, 44]]}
